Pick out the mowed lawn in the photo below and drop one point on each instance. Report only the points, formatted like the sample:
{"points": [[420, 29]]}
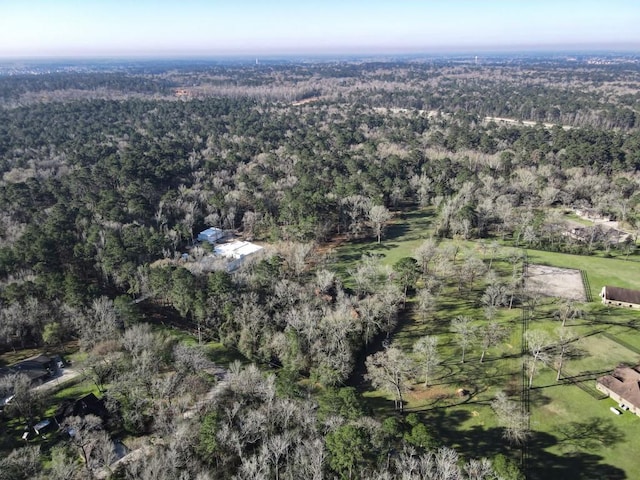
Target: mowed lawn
{"points": [[600, 271], [574, 435]]}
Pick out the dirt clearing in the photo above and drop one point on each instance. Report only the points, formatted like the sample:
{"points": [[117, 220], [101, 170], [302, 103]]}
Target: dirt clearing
{"points": [[555, 282]]}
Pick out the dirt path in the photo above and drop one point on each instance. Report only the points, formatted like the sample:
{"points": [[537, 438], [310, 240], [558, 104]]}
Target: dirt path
{"points": [[221, 373], [528, 123], [429, 113], [433, 113]]}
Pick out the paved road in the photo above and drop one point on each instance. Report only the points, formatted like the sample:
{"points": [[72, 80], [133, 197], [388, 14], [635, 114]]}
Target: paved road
{"points": [[56, 383]]}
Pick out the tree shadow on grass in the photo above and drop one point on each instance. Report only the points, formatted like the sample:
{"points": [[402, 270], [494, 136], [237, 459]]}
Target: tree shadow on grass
{"points": [[446, 422], [418, 217], [544, 465], [477, 441], [443, 375], [358, 248], [473, 442], [396, 230], [473, 375], [379, 406], [589, 434], [537, 399]]}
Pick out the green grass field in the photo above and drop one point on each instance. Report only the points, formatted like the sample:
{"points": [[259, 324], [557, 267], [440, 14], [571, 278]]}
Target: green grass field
{"points": [[574, 435], [600, 271]]}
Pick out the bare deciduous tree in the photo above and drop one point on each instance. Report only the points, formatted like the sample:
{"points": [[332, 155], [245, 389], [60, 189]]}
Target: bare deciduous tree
{"points": [[426, 350], [370, 310], [378, 216], [138, 339], [295, 254], [249, 221], [490, 336], [513, 417], [367, 275], [537, 345], [390, 370], [356, 207], [426, 303], [191, 359], [425, 254], [495, 295], [63, 465], [465, 333], [26, 402], [472, 268], [21, 464], [563, 348], [568, 311], [99, 324], [83, 433], [310, 459], [325, 279]]}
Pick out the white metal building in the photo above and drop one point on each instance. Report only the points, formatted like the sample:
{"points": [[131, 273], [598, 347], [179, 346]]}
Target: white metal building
{"points": [[211, 235], [236, 251]]}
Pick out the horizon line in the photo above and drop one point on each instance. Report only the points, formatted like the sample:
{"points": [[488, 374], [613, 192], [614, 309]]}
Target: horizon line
{"points": [[586, 48]]}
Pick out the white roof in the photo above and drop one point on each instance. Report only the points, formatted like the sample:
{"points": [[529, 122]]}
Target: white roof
{"points": [[211, 235], [236, 249], [211, 231]]}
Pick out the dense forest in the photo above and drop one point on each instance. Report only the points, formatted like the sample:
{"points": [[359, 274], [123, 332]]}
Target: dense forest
{"points": [[107, 177]]}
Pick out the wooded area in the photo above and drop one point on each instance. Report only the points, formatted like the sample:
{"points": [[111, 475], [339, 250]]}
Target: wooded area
{"points": [[107, 178]]}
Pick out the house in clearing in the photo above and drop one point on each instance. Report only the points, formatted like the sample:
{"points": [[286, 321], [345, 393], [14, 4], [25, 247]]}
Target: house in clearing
{"points": [[236, 252], [38, 368], [591, 214], [597, 233], [620, 297], [623, 385], [87, 405], [211, 235]]}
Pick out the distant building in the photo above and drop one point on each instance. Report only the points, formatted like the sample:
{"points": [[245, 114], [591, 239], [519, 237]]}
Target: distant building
{"points": [[236, 252], [211, 235], [623, 386], [620, 297], [597, 233], [592, 214]]}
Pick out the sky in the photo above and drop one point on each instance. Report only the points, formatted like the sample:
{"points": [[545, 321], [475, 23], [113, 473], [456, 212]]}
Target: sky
{"points": [[86, 28]]}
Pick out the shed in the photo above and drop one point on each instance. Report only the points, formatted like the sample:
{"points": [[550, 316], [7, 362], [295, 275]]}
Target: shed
{"points": [[211, 235], [41, 426]]}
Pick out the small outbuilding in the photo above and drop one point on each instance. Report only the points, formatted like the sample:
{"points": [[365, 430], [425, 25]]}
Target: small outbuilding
{"points": [[41, 426], [620, 297], [211, 235], [623, 385]]}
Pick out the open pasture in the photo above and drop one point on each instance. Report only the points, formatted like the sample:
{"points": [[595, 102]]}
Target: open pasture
{"points": [[574, 434]]}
